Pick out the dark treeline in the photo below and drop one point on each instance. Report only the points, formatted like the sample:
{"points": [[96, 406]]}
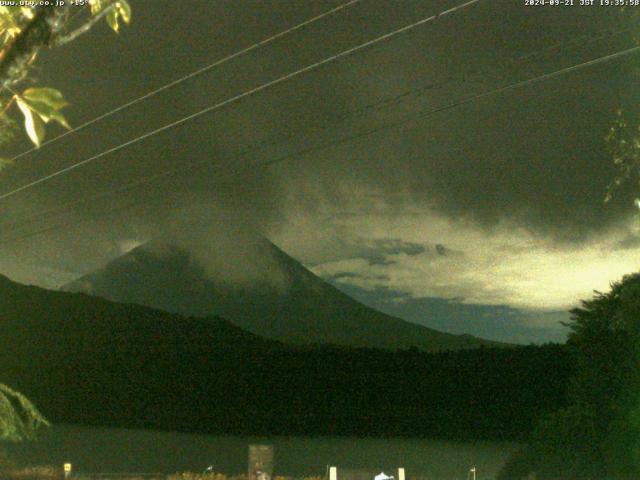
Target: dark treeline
{"points": [[597, 433], [90, 361]]}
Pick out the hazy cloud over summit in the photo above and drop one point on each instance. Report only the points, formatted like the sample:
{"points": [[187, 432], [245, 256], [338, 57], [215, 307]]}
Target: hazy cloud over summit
{"points": [[496, 202]]}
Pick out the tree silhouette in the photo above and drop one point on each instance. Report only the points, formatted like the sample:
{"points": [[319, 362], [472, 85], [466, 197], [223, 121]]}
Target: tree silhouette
{"points": [[623, 140], [598, 434]]}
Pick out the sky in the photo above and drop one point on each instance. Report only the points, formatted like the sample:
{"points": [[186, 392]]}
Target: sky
{"points": [[487, 218]]}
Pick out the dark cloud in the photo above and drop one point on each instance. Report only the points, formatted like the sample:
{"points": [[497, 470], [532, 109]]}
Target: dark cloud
{"points": [[378, 251], [396, 246], [534, 157], [631, 241]]}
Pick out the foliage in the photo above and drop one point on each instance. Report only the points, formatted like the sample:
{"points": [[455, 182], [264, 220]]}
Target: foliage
{"points": [[19, 418], [624, 142], [623, 138], [598, 434], [8, 130], [39, 106]]}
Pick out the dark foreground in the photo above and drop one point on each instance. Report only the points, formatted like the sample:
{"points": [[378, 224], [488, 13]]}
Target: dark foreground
{"points": [[95, 450]]}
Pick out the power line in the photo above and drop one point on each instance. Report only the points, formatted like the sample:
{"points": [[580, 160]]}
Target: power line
{"points": [[401, 121], [379, 105], [417, 92], [189, 76], [548, 76], [108, 193], [384, 103], [580, 40], [238, 97], [58, 226]]}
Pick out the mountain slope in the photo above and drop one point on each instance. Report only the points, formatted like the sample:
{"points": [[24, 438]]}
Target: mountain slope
{"points": [[283, 301], [86, 360]]}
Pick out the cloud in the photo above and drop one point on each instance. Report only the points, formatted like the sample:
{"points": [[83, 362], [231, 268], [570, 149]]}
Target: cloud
{"points": [[534, 158], [225, 245], [498, 201], [496, 322], [36, 273], [508, 266], [630, 242]]}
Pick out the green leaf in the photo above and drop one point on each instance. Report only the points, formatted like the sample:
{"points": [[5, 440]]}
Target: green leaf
{"points": [[9, 27], [97, 6], [27, 12], [119, 9], [112, 20], [58, 117], [47, 113], [11, 13], [47, 96], [33, 124], [46, 102], [124, 9]]}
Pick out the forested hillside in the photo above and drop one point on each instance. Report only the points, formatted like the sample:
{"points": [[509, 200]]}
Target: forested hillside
{"points": [[87, 360]]}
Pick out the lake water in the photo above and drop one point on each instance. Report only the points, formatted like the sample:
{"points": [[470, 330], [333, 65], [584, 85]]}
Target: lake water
{"points": [[95, 450]]}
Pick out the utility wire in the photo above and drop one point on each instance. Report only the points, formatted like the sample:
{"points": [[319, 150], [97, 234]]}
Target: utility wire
{"points": [[324, 123], [238, 97], [415, 93], [383, 104], [58, 226], [401, 121], [549, 76], [189, 76], [580, 41]]}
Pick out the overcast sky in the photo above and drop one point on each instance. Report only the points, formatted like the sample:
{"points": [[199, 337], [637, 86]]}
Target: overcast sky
{"points": [[487, 218]]}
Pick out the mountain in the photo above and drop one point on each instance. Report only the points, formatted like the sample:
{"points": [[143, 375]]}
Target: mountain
{"points": [[278, 299], [86, 360]]}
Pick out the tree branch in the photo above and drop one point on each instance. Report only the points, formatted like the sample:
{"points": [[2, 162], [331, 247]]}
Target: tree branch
{"points": [[63, 39], [38, 33], [8, 105]]}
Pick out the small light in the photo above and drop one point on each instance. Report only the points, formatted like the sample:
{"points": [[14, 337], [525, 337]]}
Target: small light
{"points": [[636, 202]]}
